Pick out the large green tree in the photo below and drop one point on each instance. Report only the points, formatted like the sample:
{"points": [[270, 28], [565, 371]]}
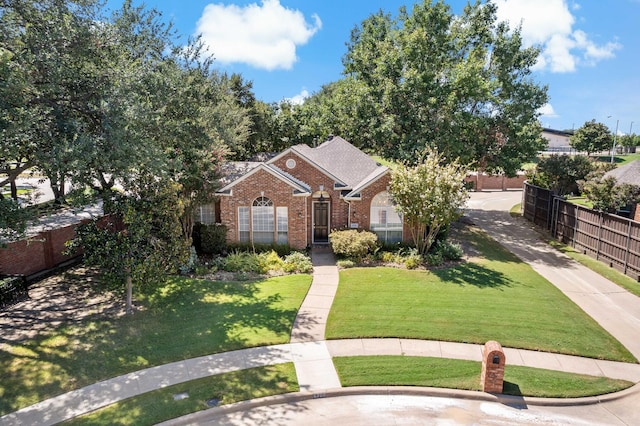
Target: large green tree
{"points": [[592, 137], [140, 242], [54, 81], [429, 78], [561, 173], [430, 196]]}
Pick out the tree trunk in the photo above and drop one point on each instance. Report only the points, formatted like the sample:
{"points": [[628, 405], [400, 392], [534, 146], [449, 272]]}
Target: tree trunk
{"points": [[57, 186], [129, 305], [14, 190]]}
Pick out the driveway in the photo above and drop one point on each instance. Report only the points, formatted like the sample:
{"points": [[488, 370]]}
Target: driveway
{"points": [[614, 308]]}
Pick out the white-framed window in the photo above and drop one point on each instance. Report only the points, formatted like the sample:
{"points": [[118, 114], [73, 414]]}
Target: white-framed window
{"points": [[385, 221], [243, 224], [262, 220], [282, 223], [206, 214]]}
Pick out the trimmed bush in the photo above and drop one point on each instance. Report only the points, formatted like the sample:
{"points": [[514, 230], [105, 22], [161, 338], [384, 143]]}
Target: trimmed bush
{"points": [[353, 244], [297, 262], [448, 251], [345, 263], [210, 239], [412, 261]]}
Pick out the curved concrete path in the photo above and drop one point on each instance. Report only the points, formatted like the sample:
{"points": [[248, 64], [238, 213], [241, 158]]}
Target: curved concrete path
{"points": [[311, 354]]}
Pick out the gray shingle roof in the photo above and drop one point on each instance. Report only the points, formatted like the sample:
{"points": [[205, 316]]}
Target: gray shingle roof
{"points": [[343, 160], [629, 173], [232, 170]]}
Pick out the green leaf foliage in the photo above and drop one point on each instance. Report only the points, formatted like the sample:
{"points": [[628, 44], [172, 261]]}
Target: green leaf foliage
{"points": [[429, 196], [430, 78], [561, 173], [353, 244], [592, 137]]}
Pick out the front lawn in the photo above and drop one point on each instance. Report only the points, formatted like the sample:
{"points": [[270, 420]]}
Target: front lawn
{"points": [[493, 296], [460, 374], [185, 318]]}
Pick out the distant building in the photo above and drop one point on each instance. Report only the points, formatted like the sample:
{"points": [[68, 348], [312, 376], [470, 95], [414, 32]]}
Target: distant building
{"points": [[558, 140]]}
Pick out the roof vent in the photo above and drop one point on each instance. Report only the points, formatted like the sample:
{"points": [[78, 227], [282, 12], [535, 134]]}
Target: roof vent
{"points": [[329, 137]]}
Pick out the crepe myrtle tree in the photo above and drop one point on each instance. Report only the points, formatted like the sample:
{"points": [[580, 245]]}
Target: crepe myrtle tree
{"points": [[430, 196]]}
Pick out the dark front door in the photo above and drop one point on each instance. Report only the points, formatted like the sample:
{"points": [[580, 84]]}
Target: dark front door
{"points": [[321, 222]]}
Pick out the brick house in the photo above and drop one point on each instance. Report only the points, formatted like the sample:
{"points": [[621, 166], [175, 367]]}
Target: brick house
{"points": [[301, 194]]}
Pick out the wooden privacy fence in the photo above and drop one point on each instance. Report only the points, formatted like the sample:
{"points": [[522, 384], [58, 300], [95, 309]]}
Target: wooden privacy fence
{"points": [[611, 239]]}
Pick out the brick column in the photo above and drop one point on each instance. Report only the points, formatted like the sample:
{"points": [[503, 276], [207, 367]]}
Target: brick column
{"points": [[493, 361]]}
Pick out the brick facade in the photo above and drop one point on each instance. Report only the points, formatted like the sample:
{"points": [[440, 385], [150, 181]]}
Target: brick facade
{"points": [[343, 213], [361, 210], [263, 183]]}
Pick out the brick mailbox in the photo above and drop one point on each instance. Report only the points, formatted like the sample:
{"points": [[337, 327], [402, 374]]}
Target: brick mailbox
{"points": [[493, 361]]}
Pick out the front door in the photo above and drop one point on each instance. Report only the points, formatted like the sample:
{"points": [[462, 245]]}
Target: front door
{"points": [[320, 222]]}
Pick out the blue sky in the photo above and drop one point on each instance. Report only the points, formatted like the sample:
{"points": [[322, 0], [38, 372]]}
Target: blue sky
{"points": [[290, 48]]}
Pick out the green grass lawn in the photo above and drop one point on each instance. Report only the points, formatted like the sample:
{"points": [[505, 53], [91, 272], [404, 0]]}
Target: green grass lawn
{"points": [[493, 297], [460, 374], [184, 319], [581, 201], [159, 405]]}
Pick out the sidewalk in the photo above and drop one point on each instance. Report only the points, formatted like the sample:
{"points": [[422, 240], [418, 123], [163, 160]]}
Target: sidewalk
{"points": [[311, 354]]}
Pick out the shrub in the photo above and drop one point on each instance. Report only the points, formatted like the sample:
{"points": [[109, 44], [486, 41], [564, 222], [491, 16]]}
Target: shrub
{"points": [[205, 269], [434, 259], [242, 262], [353, 244], [191, 263], [13, 290], [449, 251], [281, 249], [412, 261], [345, 263], [411, 258], [389, 257], [297, 262], [210, 239], [270, 261]]}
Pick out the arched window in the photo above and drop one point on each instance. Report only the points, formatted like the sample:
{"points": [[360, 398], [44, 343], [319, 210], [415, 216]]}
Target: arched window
{"points": [[263, 223], [385, 221]]}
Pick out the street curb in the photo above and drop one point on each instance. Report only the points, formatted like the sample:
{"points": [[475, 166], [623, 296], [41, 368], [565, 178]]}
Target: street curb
{"points": [[295, 397]]}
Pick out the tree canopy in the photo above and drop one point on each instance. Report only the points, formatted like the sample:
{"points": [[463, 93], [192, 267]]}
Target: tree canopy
{"points": [[607, 195], [561, 173], [428, 78], [96, 100], [592, 137]]}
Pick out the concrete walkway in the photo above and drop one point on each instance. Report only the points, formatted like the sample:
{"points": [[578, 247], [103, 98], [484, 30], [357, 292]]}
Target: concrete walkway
{"points": [[315, 370], [311, 354]]}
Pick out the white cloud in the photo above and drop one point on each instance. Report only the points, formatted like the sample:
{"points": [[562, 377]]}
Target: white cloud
{"points": [[550, 24], [264, 36], [547, 110], [299, 98]]}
